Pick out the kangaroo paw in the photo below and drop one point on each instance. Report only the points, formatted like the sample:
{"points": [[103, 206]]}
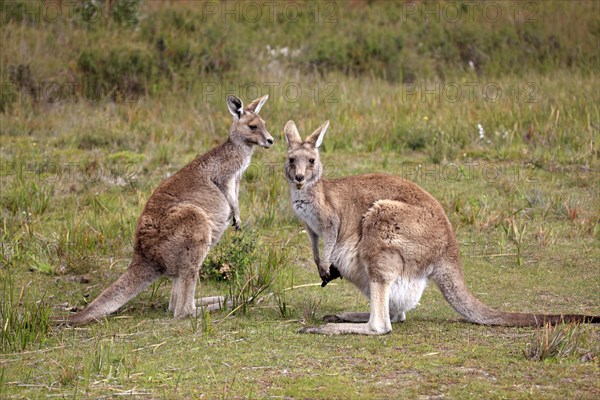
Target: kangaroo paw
{"points": [[327, 277]]}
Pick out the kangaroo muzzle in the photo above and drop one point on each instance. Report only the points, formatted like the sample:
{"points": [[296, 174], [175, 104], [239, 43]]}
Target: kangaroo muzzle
{"points": [[267, 142], [299, 180]]}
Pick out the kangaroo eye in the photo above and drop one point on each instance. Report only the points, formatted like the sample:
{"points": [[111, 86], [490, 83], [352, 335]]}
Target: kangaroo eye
{"points": [[253, 127], [311, 161], [291, 160]]}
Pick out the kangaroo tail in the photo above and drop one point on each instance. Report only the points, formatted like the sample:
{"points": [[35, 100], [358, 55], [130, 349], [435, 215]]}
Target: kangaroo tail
{"points": [[450, 280], [136, 278]]}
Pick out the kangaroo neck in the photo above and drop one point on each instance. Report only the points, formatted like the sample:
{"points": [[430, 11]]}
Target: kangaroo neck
{"points": [[238, 150], [229, 158]]}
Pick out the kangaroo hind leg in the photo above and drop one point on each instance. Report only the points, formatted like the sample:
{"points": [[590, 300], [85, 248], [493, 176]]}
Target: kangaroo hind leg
{"points": [[380, 283], [183, 302], [173, 299], [188, 237], [379, 316], [184, 288]]}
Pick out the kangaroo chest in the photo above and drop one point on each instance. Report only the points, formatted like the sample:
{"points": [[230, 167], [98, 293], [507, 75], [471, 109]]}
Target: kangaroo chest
{"points": [[244, 165], [305, 210]]}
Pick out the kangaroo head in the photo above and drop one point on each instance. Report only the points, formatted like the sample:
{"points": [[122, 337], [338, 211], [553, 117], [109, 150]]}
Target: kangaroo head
{"points": [[303, 166], [248, 127]]}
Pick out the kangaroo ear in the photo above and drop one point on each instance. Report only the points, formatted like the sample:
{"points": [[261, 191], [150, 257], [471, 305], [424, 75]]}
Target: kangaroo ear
{"points": [[235, 106], [316, 138], [257, 104], [291, 134]]}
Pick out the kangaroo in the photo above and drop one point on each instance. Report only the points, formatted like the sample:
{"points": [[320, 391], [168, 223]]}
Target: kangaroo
{"points": [[185, 217], [388, 237]]}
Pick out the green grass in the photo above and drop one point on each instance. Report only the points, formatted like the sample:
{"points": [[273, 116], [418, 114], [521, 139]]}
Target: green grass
{"points": [[559, 341], [523, 199], [24, 315]]}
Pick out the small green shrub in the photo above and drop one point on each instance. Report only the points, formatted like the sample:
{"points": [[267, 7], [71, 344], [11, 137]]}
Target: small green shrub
{"points": [[231, 257], [246, 266], [246, 290]]}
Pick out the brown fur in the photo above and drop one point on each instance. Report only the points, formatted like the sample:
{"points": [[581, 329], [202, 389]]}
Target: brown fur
{"points": [[386, 235], [185, 216]]}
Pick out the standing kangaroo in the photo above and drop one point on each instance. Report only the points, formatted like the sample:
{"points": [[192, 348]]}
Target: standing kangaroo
{"points": [[185, 217], [386, 235]]}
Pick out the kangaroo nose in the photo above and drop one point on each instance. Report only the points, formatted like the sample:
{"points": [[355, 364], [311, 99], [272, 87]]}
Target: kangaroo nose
{"points": [[299, 177], [270, 141]]}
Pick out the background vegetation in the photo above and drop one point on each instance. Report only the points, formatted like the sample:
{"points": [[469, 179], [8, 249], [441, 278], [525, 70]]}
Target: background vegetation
{"points": [[491, 106]]}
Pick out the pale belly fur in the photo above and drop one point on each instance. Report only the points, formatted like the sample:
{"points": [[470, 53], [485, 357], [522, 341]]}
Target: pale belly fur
{"points": [[405, 292]]}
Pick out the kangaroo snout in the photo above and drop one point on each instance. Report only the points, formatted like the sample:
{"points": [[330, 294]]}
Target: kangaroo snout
{"points": [[299, 180], [268, 142]]}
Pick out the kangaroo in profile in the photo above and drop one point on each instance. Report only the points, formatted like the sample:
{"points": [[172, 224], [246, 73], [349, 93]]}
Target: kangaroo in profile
{"points": [[185, 217], [387, 236]]}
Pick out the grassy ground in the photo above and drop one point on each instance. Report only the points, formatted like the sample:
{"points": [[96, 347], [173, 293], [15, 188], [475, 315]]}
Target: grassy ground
{"points": [[517, 173]]}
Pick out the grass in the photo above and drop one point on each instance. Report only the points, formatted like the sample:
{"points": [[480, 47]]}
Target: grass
{"points": [[24, 316], [559, 341], [516, 173]]}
